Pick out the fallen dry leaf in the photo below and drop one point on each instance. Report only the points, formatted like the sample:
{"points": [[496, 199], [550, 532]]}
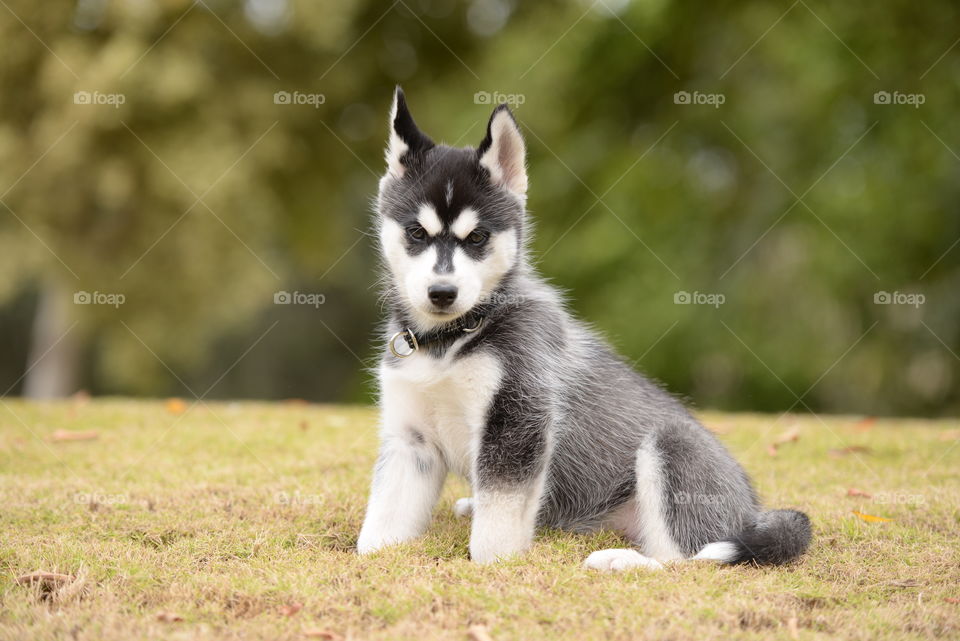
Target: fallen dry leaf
{"points": [[479, 633], [290, 609], [326, 635], [789, 436], [175, 406], [951, 599], [865, 424], [47, 580], [67, 435], [950, 435], [304, 425], [855, 492], [869, 518], [169, 617], [850, 449]]}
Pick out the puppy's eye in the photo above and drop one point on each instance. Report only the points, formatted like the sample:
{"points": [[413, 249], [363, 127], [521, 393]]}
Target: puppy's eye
{"points": [[477, 237], [416, 232]]}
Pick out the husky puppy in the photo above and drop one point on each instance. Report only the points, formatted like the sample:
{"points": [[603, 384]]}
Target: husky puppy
{"points": [[486, 374]]}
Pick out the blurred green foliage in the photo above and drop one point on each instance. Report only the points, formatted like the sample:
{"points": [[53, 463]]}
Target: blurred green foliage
{"points": [[784, 187]]}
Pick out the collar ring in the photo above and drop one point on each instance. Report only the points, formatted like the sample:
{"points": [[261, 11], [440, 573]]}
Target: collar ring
{"points": [[409, 339]]}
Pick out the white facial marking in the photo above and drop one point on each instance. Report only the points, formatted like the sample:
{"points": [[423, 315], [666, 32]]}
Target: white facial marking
{"points": [[428, 219], [465, 223], [474, 279]]}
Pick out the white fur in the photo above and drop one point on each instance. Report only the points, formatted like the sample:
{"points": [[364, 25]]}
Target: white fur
{"points": [[504, 522], [428, 219], [463, 507], [655, 539], [619, 559], [402, 497], [395, 147], [473, 279], [445, 400], [505, 159], [465, 223], [723, 552]]}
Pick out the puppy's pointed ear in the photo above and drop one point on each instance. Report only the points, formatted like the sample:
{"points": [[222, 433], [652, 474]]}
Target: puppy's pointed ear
{"points": [[503, 153], [406, 139]]}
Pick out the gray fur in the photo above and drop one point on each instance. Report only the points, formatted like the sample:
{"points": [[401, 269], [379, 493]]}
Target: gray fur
{"points": [[567, 405]]}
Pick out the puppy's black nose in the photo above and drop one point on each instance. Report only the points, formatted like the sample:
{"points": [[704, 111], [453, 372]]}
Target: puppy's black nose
{"points": [[442, 295]]}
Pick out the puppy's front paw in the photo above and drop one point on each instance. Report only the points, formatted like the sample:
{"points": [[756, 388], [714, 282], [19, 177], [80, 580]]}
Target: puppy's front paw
{"points": [[617, 560], [366, 545], [463, 507], [485, 554]]}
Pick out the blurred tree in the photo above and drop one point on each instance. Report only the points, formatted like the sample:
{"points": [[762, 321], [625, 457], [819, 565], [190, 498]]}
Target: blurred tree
{"points": [[798, 198]]}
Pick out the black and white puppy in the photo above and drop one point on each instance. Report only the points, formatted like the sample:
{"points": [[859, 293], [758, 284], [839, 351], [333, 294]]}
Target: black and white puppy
{"points": [[486, 374]]}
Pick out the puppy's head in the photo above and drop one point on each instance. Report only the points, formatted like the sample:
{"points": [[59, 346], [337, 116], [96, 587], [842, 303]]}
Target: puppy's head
{"points": [[450, 220]]}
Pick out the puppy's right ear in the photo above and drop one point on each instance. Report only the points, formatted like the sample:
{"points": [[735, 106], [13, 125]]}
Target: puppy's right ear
{"points": [[406, 139]]}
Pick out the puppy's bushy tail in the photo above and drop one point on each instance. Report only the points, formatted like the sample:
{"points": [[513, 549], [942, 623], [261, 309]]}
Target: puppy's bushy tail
{"points": [[775, 537]]}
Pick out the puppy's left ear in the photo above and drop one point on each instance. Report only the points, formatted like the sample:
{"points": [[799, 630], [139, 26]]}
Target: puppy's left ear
{"points": [[503, 153]]}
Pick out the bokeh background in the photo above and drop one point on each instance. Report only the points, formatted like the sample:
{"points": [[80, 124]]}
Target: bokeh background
{"points": [[756, 202]]}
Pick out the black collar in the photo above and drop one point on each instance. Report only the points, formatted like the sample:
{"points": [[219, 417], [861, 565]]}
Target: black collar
{"points": [[466, 324]]}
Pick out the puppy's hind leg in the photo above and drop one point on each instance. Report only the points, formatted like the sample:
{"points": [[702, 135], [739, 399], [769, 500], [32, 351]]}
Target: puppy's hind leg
{"points": [[643, 520]]}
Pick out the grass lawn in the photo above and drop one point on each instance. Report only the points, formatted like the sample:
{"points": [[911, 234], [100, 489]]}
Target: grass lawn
{"points": [[238, 521]]}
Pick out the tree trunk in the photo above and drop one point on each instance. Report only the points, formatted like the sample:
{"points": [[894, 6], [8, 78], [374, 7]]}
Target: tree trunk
{"points": [[54, 357]]}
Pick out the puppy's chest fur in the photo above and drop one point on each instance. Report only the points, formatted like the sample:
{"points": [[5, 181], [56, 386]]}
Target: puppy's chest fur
{"points": [[440, 403]]}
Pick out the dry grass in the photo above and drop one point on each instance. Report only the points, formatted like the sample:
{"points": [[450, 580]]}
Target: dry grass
{"points": [[225, 514]]}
